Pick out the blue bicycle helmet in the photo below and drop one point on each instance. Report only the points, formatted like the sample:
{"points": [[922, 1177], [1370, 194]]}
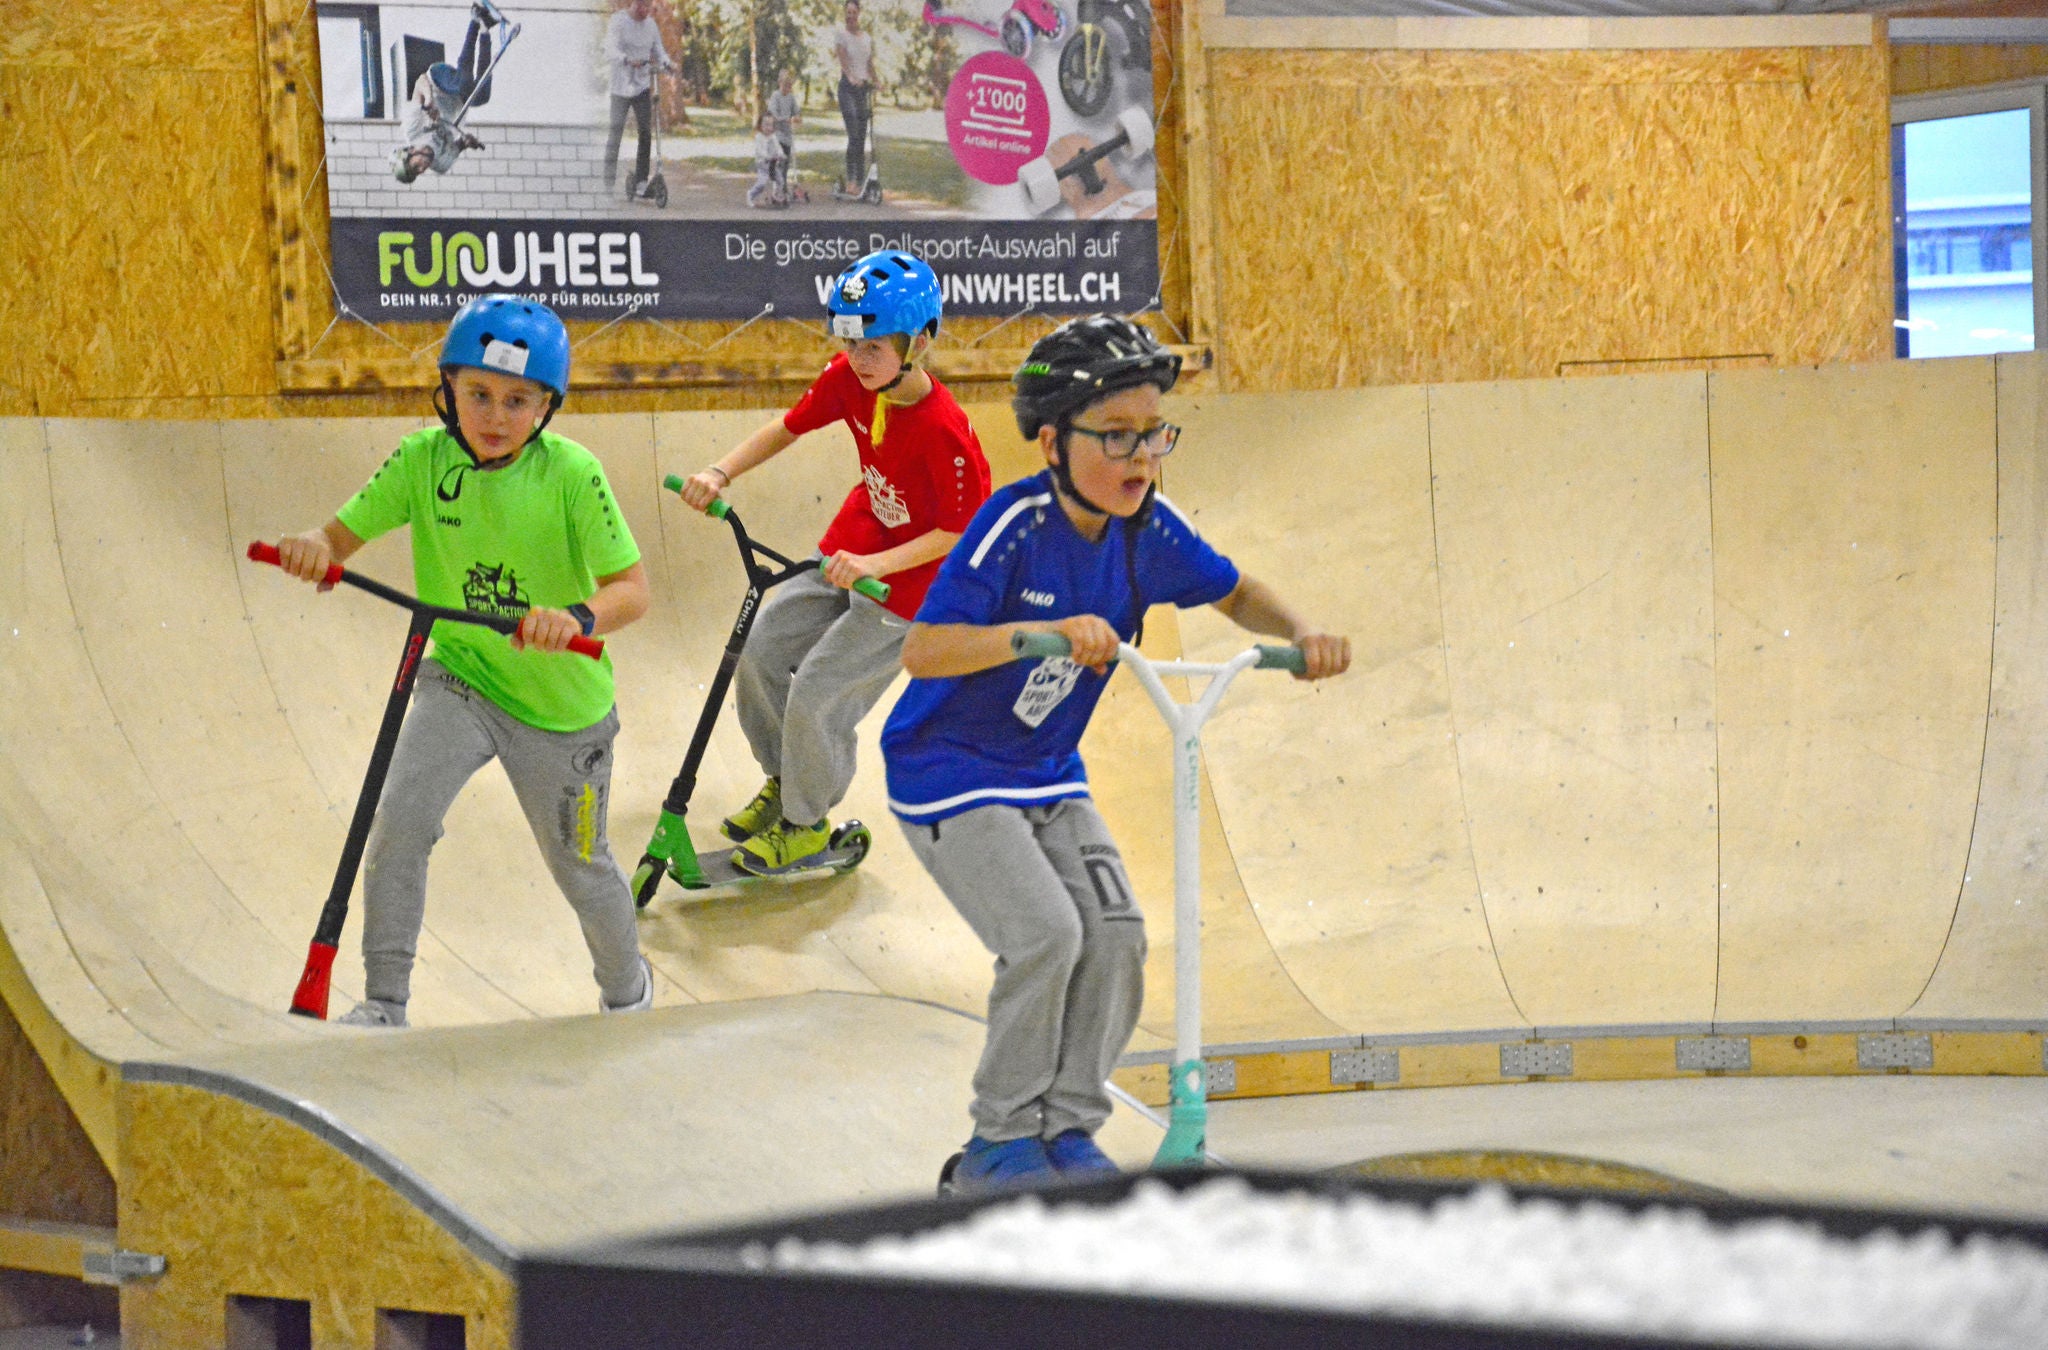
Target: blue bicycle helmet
{"points": [[884, 293], [446, 78], [511, 335]]}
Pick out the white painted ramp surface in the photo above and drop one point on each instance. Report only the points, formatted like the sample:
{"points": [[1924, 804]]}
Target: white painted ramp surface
{"points": [[1677, 701]]}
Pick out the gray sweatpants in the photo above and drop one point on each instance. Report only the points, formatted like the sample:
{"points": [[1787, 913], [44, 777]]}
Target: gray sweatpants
{"points": [[563, 780], [817, 661], [1044, 888]]}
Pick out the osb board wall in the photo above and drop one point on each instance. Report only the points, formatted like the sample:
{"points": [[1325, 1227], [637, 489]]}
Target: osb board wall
{"points": [[146, 252], [48, 1168], [1394, 217], [240, 1202], [1922, 68]]}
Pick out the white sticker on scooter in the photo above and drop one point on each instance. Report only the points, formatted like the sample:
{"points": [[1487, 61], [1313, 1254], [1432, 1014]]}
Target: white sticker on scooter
{"points": [[1050, 683], [506, 357]]}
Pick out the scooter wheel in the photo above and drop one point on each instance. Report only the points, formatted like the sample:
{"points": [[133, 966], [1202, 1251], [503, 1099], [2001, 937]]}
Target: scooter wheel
{"points": [[1085, 70], [855, 838], [646, 880], [1017, 35], [658, 190], [872, 193], [1041, 184], [1136, 125], [946, 1174]]}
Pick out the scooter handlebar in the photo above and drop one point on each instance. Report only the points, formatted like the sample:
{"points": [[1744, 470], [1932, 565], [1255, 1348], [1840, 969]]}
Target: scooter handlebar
{"points": [[267, 553], [1271, 657], [873, 589], [336, 574]]}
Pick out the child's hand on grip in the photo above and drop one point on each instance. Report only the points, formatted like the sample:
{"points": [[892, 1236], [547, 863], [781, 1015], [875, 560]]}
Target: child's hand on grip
{"points": [[546, 630], [307, 556], [1095, 642], [1327, 654]]}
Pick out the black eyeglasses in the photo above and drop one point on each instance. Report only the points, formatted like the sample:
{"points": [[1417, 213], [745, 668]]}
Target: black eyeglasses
{"points": [[1157, 442]]}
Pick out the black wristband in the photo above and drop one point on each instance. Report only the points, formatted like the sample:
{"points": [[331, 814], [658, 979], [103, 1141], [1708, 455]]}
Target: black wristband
{"points": [[584, 617]]}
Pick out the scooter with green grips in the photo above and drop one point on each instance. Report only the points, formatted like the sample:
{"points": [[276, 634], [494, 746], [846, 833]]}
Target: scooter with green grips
{"points": [[671, 852], [1187, 1131]]}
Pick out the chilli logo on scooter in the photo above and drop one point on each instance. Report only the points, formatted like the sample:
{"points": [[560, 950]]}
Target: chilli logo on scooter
{"points": [[412, 659]]}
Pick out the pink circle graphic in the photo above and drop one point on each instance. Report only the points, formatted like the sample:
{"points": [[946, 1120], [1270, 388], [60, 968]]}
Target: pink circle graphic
{"points": [[997, 117]]}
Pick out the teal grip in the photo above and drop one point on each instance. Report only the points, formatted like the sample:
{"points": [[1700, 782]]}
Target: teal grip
{"points": [[1283, 658], [877, 591], [1040, 644]]}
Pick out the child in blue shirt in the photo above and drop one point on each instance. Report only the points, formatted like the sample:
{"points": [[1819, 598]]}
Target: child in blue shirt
{"points": [[982, 751]]}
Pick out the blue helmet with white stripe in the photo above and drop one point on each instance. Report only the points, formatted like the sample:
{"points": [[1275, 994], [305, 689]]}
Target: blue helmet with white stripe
{"points": [[511, 335], [884, 293]]}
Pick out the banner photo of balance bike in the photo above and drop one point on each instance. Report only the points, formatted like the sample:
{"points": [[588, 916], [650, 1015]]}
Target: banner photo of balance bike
{"points": [[708, 159]]}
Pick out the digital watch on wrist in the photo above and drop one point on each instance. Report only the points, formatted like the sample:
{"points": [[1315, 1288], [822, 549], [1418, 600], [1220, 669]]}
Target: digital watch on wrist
{"points": [[585, 619]]}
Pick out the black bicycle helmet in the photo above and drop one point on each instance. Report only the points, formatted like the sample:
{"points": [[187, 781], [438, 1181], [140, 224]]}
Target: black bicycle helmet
{"points": [[1082, 360]]}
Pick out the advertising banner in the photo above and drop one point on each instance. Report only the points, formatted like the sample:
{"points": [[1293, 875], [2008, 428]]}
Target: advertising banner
{"points": [[711, 159]]}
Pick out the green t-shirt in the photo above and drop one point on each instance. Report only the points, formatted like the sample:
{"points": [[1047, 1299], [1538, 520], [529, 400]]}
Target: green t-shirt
{"points": [[536, 534]]}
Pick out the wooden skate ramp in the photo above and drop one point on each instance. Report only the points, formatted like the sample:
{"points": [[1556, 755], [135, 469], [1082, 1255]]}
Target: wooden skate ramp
{"points": [[1684, 707]]}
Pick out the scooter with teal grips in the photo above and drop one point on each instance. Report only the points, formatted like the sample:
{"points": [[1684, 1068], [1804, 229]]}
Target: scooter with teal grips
{"points": [[671, 852], [1187, 1129]]}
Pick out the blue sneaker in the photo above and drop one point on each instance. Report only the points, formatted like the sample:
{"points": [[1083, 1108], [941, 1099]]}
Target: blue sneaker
{"points": [[986, 1165], [1074, 1154]]}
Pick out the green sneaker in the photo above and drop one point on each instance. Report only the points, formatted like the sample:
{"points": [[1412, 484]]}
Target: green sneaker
{"points": [[783, 847], [762, 813]]}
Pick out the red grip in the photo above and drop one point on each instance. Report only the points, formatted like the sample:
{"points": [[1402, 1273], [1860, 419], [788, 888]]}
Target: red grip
{"points": [[310, 998], [587, 646], [267, 553]]}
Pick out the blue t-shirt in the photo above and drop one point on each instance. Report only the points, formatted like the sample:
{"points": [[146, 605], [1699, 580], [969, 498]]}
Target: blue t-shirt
{"points": [[1012, 734]]}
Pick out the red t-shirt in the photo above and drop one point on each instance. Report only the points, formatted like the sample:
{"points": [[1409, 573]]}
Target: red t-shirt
{"points": [[927, 474]]}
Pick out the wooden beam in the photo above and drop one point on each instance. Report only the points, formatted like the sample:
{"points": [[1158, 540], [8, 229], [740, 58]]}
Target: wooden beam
{"points": [[50, 1248], [357, 374]]}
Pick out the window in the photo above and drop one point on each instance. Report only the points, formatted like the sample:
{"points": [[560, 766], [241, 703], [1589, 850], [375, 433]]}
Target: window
{"points": [[1966, 223], [351, 75]]}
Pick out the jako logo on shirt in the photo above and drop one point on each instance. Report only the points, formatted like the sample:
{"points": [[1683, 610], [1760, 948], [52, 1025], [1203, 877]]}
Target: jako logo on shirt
{"points": [[1043, 599]]}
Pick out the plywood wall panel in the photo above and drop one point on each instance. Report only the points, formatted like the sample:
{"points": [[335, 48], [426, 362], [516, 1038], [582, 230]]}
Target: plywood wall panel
{"points": [[1995, 961], [1854, 516], [1401, 216]]}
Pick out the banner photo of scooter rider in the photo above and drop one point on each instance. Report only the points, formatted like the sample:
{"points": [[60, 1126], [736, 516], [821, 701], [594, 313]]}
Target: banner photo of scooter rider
{"points": [[713, 158]]}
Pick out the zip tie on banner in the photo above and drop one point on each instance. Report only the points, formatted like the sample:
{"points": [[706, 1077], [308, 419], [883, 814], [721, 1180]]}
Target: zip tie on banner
{"points": [[766, 310], [342, 310], [1158, 309], [632, 309], [1028, 309]]}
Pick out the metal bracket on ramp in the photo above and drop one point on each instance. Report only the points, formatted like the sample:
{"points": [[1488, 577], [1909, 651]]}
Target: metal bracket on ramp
{"points": [[117, 1265], [1221, 1076], [1702, 1053], [1895, 1050], [1365, 1066], [1535, 1059]]}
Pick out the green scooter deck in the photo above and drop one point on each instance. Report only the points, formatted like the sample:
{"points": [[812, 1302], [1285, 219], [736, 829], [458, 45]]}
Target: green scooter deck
{"points": [[719, 867]]}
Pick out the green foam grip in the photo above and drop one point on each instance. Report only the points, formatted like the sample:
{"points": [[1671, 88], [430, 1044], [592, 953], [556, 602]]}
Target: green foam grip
{"points": [[1040, 644], [1283, 658], [877, 591]]}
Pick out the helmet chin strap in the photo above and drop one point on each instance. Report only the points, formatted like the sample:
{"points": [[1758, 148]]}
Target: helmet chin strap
{"points": [[444, 404]]}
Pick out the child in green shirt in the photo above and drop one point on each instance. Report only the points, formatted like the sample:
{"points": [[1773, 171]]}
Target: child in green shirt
{"points": [[509, 518]]}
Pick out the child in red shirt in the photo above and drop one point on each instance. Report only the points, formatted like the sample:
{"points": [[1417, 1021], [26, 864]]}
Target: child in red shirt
{"points": [[820, 656]]}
